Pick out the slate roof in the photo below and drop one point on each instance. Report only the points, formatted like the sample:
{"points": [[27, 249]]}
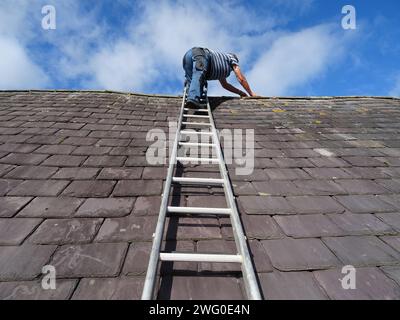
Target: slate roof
{"points": [[76, 192]]}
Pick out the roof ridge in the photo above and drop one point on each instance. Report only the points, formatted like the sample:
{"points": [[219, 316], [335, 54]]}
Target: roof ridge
{"points": [[178, 96]]}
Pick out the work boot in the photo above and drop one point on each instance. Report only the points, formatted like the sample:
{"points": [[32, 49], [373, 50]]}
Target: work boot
{"points": [[195, 104]]}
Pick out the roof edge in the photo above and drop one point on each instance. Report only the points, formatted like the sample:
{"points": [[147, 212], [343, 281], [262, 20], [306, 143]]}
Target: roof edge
{"points": [[177, 96]]}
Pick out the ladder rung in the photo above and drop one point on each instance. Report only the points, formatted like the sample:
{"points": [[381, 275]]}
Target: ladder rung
{"points": [[196, 110], [197, 124], [206, 160], [195, 116], [201, 257], [203, 181], [207, 133], [192, 144], [198, 210]]}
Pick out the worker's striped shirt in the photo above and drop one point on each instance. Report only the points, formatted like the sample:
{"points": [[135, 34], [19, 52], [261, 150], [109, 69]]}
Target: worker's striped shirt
{"points": [[221, 65]]}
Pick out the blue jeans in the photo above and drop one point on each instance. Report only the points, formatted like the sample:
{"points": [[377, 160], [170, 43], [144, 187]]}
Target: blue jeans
{"points": [[195, 74]]}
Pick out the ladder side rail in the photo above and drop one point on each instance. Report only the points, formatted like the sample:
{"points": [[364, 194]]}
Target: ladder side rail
{"points": [[249, 277], [151, 274]]}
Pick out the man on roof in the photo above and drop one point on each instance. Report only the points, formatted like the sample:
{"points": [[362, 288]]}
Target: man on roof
{"points": [[202, 64]]}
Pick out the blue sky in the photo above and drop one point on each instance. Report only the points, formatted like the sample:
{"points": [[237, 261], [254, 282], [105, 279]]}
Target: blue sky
{"points": [[286, 47]]}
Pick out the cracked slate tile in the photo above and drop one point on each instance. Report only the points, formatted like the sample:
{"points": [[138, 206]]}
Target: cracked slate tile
{"points": [[65, 231], [105, 207], [89, 260]]}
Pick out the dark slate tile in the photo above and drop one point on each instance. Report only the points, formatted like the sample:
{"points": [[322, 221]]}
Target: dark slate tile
{"points": [[188, 228], [89, 260], [392, 219], [7, 185], [217, 247], [276, 188], [393, 273], [137, 259], [300, 254], [390, 184], [76, 173], [31, 172], [120, 173], [293, 163], [291, 286], [328, 173], [361, 186], [154, 173], [13, 231], [39, 188], [256, 175], [23, 159], [5, 168], [106, 207], [319, 187], [329, 162], [32, 290], [9, 206], [315, 204], [308, 226], [18, 147], [363, 251], [286, 174], [371, 284], [255, 227], [363, 161], [260, 259], [265, 205], [89, 189], [365, 204], [147, 206], [368, 172], [105, 161], [199, 288], [126, 188], [109, 289], [45, 207], [65, 231], [392, 199], [393, 241], [55, 149], [64, 161], [129, 228], [360, 224], [207, 201], [23, 262], [243, 189]]}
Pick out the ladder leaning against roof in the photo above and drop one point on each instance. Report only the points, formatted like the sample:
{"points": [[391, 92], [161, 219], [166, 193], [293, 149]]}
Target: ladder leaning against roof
{"points": [[243, 256]]}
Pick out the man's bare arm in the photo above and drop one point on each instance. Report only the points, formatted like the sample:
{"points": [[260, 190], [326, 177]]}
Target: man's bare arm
{"points": [[231, 88], [243, 81]]}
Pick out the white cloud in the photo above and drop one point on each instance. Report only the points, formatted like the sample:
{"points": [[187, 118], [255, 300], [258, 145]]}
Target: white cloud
{"points": [[16, 68], [146, 56], [296, 59], [395, 91]]}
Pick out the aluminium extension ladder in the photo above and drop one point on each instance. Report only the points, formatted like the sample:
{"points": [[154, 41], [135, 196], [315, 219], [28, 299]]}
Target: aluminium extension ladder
{"points": [[243, 256]]}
